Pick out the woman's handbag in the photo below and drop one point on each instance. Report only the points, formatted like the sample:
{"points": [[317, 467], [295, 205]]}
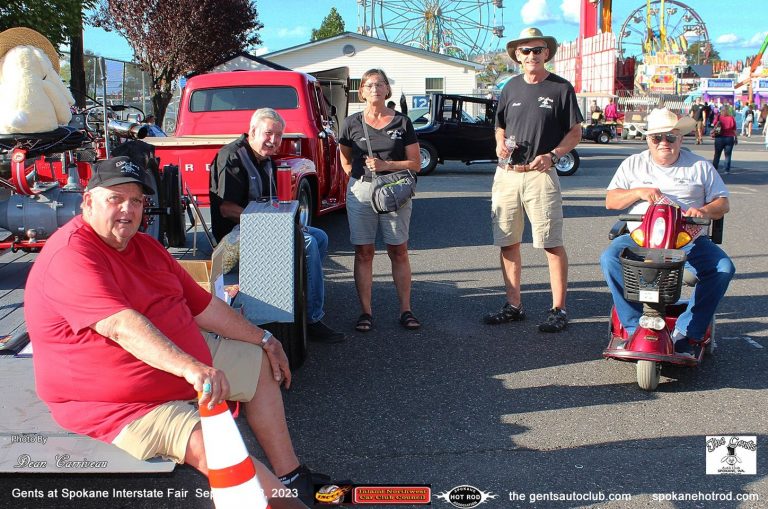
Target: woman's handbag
{"points": [[391, 190], [717, 130]]}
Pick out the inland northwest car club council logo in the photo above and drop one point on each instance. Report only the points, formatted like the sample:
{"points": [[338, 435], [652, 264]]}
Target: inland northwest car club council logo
{"points": [[732, 455], [466, 497]]}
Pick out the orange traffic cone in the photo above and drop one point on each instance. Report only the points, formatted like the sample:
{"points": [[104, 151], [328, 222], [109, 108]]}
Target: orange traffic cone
{"points": [[230, 469]]}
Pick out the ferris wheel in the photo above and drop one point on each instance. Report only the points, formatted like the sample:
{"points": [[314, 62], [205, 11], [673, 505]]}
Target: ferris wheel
{"points": [[662, 26], [458, 28]]}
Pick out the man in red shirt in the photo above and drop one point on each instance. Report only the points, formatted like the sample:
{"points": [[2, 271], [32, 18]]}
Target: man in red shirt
{"points": [[115, 323]]}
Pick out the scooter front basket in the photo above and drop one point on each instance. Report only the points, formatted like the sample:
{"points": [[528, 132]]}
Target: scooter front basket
{"points": [[652, 275]]}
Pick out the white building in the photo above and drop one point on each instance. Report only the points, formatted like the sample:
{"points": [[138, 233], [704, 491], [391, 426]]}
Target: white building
{"points": [[412, 71]]}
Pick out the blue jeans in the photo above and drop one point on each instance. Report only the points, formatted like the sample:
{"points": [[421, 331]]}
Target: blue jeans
{"points": [[315, 249], [705, 259], [723, 143]]}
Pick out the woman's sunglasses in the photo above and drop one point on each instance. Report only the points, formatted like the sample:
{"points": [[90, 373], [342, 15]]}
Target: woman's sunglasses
{"points": [[536, 51], [671, 138]]}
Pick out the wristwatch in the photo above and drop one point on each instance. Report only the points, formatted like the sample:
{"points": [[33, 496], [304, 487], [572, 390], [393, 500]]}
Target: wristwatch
{"points": [[265, 338], [554, 156]]}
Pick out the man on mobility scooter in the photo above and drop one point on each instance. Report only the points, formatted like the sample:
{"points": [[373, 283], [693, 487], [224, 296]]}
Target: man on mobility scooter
{"points": [[692, 182]]}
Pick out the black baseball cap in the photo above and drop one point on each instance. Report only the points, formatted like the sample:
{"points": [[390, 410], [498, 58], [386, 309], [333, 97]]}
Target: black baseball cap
{"points": [[118, 170]]}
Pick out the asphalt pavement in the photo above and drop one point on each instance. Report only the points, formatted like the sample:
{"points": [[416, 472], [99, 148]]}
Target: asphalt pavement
{"points": [[529, 419]]}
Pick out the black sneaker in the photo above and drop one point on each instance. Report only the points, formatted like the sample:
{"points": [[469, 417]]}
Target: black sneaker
{"points": [[684, 348], [508, 313], [556, 321], [321, 333], [303, 480]]}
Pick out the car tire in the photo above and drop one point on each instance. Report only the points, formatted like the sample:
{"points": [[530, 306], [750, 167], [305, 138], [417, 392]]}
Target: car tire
{"points": [[568, 164], [428, 157], [306, 203], [175, 224], [603, 137]]}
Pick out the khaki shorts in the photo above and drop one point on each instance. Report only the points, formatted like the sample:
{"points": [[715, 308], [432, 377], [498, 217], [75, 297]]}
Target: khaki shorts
{"points": [[535, 194], [364, 222], [165, 431]]}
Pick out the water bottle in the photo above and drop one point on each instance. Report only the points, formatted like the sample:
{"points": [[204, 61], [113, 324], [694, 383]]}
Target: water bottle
{"points": [[511, 145]]}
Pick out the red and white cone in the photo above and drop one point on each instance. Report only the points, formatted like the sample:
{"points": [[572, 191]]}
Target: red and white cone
{"points": [[231, 472]]}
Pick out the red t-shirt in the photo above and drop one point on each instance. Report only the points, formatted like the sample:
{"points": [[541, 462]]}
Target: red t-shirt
{"points": [[729, 125], [90, 383]]}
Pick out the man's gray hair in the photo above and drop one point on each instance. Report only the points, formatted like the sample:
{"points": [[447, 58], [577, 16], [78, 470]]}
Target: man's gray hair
{"points": [[264, 114]]}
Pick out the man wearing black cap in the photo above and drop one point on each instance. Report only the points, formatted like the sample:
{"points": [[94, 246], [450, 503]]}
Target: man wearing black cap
{"points": [[537, 123], [115, 324]]}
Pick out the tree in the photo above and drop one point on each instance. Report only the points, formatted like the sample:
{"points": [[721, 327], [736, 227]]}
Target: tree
{"points": [[697, 53], [331, 25], [60, 21], [172, 39], [52, 18]]}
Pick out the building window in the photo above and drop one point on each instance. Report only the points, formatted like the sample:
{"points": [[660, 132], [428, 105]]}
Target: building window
{"points": [[434, 86], [354, 87]]}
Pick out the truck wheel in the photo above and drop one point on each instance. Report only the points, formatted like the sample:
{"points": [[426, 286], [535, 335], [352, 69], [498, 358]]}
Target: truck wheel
{"points": [[293, 335], [568, 164], [304, 195], [174, 225], [604, 137], [428, 154], [152, 223]]}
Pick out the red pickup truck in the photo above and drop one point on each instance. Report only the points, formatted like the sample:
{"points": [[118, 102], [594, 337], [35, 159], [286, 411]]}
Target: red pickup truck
{"points": [[216, 108]]}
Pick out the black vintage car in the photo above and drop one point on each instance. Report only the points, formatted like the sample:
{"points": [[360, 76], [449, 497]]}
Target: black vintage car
{"points": [[599, 133], [461, 128]]}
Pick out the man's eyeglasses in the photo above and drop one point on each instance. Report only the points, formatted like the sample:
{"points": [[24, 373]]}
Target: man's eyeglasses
{"points": [[670, 137], [536, 51], [371, 86]]}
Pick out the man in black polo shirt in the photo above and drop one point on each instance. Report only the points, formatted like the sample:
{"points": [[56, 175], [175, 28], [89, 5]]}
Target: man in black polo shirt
{"points": [[243, 171], [699, 114]]}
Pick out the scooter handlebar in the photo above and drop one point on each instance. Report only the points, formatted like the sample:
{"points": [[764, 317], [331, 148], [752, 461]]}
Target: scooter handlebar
{"points": [[702, 221]]}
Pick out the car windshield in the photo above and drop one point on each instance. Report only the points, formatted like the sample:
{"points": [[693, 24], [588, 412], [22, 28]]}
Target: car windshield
{"points": [[244, 98]]}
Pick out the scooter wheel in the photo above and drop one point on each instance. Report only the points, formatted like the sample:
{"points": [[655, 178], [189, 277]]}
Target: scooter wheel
{"points": [[648, 375]]}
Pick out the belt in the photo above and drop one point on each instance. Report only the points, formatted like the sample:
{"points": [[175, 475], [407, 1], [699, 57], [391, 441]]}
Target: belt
{"points": [[519, 168]]}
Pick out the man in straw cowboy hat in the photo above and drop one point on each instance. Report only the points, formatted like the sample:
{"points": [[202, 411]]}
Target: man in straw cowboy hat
{"points": [[116, 326], [690, 181], [538, 121]]}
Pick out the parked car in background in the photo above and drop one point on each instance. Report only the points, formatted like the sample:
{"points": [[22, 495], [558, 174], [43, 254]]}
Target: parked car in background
{"points": [[461, 128]]}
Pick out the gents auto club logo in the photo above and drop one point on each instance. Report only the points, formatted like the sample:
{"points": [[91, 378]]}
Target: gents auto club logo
{"points": [[734, 455], [465, 496]]}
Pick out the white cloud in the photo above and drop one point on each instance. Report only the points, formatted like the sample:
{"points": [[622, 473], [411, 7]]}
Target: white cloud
{"points": [[757, 39], [571, 11], [536, 11], [728, 40], [297, 31], [262, 50]]}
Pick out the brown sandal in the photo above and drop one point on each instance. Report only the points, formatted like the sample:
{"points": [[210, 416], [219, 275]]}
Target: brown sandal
{"points": [[408, 321], [364, 323]]}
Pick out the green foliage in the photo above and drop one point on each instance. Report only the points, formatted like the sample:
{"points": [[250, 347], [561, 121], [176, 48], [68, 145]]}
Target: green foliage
{"points": [[331, 25], [696, 53], [55, 19]]}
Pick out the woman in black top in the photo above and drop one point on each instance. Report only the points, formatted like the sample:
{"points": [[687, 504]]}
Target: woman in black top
{"points": [[395, 147]]}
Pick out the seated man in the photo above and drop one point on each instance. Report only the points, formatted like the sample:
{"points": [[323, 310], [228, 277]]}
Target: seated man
{"points": [[243, 171], [692, 182], [115, 324]]}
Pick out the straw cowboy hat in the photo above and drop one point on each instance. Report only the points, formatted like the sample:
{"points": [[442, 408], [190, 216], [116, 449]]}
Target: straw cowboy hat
{"points": [[661, 120], [530, 34], [22, 36]]}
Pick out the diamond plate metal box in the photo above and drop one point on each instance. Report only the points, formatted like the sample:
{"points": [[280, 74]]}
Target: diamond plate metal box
{"points": [[267, 250]]}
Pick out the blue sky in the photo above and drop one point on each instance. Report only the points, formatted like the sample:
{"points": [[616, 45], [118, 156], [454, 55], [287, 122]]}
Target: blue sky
{"points": [[735, 33]]}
